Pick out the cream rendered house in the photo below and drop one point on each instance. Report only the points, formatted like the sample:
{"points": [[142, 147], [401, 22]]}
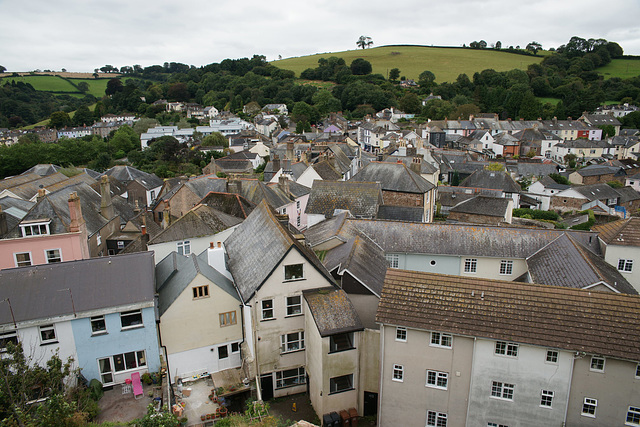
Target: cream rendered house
{"points": [[200, 319], [620, 243]]}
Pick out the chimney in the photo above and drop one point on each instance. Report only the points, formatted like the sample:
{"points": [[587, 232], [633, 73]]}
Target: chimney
{"points": [[412, 151], [555, 120], [276, 162], [75, 214], [3, 223], [216, 257], [290, 150], [234, 186], [166, 215], [41, 193], [283, 219], [283, 183], [416, 164], [106, 207]]}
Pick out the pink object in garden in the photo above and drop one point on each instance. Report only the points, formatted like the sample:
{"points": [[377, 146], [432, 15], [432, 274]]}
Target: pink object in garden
{"points": [[137, 385]]}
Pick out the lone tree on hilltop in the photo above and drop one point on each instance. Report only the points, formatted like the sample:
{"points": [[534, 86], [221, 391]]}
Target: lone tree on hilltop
{"points": [[2, 69], [364, 42], [534, 47]]}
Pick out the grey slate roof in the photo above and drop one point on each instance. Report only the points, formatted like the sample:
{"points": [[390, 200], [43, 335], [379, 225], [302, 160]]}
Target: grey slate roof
{"points": [[258, 245], [535, 169], [333, 312], [596, 191], [202, 185], [126, 174], [401, 213], [483, 205], [229, 203], [29, 189], [40, 291], [550, 183], [319, 233], [362, 258], [596, 170], [149, 182], [394, 177], [42, 169], [200, 221], [175, 272], [15, 210], [326, 171], [362, 199], [627, 194], [564, 262], [491, 179]]}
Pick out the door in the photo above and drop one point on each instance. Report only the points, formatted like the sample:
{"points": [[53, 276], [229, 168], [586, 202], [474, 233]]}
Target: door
{"points": [[266, 386], [370, 403], [106, 372]]}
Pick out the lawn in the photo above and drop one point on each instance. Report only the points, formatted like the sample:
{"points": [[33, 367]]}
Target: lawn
{"points": [[96, 86], [445, 63], [623, 68], [44, 83], [552, 101]]}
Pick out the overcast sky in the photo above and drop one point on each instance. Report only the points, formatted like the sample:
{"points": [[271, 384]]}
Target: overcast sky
{"points": [[81, 35]]}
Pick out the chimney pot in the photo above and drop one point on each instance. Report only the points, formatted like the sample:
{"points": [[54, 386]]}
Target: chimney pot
{"points": [[219, 244], [210, 245]]}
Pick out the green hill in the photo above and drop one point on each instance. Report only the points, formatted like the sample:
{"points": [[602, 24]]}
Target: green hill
{"points": [[58, 85], [445, 62]]}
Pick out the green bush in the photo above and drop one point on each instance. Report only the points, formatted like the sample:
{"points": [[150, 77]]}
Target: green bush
{"points": [[536, 214]]}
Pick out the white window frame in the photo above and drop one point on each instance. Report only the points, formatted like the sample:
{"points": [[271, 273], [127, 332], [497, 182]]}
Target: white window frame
{"points": [[437, 379], [597, 361], [183, 247], [436, 419], [41, 228], [98, 239], [504, 391], [398, 373], [5, 337], [296, 376], [440, 339], [393, 260], [294, 308], [625, 265], [546, 398], [634, 413], [264, 310], [288, 341], [22, 263], [552, 357], [401, 334], [98, 319], [44, 329], [506, 267], [131, 313], [53, 259], [590, 404], [288, 276], [508, 349], [471, 265]]}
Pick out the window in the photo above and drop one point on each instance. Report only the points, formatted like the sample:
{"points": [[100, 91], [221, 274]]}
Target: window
{"points": [[398, 373], [23, 259], [401, 334], [502, 390], [437, 379], [130, 360], [340, 384], [6, 338], [341, 342], [293, 272], [496, 425], [597, 364], [290, 378], [470, 265], [47, 334], [120, 244], [506, 267], [34, 229], [507, 349], [552, 356], [53, 255], [235, 347], [98, 325], [589, 407], [546, 398], [267, 309], [625, 265], [228, 318], [131, 319], [441, 340], [223, 352], [291, 342], [638, 370], [393, 260], [438, 419], [200, 291], [633, 416], [294, 305], [98, 239], [184, 248]]}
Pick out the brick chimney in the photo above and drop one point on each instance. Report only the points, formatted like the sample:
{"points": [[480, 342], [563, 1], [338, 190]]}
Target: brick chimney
{"points": [[283, 183], [3, 222], [234, 186], [416, 164], [75, 214], [166, 215], [41, 193], [106, 207], [290, 151], [275, 163]]}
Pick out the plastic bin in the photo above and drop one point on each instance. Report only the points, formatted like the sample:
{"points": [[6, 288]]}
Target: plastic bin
{"points": [[336, 419], [353, 414], [345, 418], [327, 421]]}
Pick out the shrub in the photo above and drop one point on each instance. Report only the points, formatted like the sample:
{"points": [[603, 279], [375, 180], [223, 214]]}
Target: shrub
{"points": [[536, 214]]}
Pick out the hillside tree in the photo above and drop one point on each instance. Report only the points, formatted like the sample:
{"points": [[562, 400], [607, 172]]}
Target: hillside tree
{"points": [[534, 47], [364, 42], [394, 74]]}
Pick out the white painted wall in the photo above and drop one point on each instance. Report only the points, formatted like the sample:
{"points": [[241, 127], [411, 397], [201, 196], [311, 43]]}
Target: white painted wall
{"points": [[198, 244]]}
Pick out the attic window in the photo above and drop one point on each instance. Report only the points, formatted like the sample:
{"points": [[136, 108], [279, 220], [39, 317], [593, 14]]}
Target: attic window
{"points": [[35, 229], [293, 272]]}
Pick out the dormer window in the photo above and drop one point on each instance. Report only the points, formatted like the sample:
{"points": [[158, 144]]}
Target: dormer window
{"points": [[38, 228]]}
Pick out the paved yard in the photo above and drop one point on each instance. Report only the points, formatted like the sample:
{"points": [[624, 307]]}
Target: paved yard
{"points": [[118, 407]]}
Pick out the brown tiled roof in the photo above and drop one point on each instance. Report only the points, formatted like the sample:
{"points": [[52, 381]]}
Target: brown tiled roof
{"points": [[594, 322], [332, 311], [624, 232]]}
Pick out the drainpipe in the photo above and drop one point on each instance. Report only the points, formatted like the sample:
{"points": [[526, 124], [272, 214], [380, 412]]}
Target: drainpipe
{"points": [[566, 409], [382, 332], [473, 356], [255, 360]]}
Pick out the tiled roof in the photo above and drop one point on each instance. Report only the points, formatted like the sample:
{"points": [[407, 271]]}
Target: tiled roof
{"points": [[625, 232], [326, 171], [601, 323], [333, 312], [362, 199], [565, 262], [394, 177], [43, 291], [324, 230]]}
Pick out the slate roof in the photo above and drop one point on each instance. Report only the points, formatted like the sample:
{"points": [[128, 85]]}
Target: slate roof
{"points": [[627, 194], [297, 169], [40, 291], [625, 232], [126, 174], [258, 245], [229, 203], [425, 167], [401, 213], [362, 258], [14, 181], [601, 323], [82, 177], [175, 272], [565, 262], [29, 189], [596, 191], [149, 182], [200, 221], [326, 171], [42, 169], [362, 199], [596, 170], [202, 185], [550, 183], [394, 177], [332, 312], [498, 180], [601, 119], [325, 230], [15, 210], [535, 169], [483, 205]]}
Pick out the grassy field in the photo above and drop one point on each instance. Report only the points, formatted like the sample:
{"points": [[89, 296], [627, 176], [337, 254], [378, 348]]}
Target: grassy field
{"points": [[445, 63], [552, 101], [44, 83], [96, 87], [623, 68]]}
